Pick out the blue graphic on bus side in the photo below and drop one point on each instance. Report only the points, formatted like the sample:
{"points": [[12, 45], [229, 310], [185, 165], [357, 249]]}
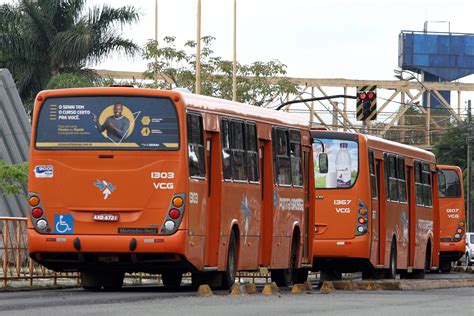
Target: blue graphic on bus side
{"points": [[63, 224]]}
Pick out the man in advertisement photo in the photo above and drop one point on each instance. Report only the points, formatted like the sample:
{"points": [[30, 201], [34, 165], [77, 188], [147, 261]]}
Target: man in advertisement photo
{"points": [[116, 125]]}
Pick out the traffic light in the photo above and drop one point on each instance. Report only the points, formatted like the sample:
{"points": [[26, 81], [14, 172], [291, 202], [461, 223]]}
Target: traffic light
{"points": [[366, 103]]}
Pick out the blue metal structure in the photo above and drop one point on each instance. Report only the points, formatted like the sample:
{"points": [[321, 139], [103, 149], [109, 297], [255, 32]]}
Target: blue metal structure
{"points": [[449, 56], [440, 56]]}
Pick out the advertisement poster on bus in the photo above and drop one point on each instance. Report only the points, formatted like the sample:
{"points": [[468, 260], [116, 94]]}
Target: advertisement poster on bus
{"points": [[105, 122], [343, 162]]}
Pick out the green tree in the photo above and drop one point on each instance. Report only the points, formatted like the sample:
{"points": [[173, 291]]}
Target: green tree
{"points": [[13, 177], [43, 38], [451, 149], [257, 84]]}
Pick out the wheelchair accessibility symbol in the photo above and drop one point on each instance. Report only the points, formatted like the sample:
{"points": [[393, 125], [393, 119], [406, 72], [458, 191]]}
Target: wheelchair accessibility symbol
{"points": [[63, 224]]}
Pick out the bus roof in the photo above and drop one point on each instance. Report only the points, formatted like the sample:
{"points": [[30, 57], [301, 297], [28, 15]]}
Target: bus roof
{"points": [[407, 150], [390, 146], [241, 109]]}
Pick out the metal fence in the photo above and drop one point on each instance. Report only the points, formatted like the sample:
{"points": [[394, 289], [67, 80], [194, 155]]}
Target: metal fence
{"points": [[17, 266]]}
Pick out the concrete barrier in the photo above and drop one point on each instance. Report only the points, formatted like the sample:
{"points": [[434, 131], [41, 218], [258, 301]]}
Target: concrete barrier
{"points": [[298, 289], [368, 285], [327, 287], [270, 289], [204, 290], [343, 285]]}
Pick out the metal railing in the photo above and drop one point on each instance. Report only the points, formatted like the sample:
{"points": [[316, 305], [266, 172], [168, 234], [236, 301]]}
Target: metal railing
{"points": [[18, 266]]}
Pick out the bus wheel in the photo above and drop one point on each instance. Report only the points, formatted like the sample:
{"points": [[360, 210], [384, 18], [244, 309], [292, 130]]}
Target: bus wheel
{"points": [[285, 277], [392, 269], [171, 278], [91, 281], [112, 281], [228, 276]]}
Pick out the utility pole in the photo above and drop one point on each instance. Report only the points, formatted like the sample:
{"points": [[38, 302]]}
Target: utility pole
{"points": [[234, 60], [469, 171], [198, 49]]}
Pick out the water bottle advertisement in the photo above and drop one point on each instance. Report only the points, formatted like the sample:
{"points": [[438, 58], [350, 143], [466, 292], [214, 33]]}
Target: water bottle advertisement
{"points": [[343, 162]]}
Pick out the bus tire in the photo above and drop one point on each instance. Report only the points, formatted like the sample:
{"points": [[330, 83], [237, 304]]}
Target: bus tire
{"points": [[286, 277], [392, 268], [91, 281], [228, 276], [171, 279], [112, 281]]}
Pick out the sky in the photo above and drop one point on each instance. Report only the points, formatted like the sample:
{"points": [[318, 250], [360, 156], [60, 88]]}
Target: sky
{"points": [[314, 38]]}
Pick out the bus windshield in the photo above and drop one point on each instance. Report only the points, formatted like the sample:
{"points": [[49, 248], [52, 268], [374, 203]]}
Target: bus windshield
{"points": [[108, 123], [449, 184], [343, 163]]}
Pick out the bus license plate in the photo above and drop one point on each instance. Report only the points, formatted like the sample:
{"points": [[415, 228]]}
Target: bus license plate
{"points": [[106, 217]]}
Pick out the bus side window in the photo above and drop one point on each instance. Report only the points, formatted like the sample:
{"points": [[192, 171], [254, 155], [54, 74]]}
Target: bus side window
{"points": [[295, 153], [252, 152], [418, 183], [281, 156], [426, 179], [402, 186], [226, 152], [197, 164], [239, 156], [393, 181], [373, 179]]}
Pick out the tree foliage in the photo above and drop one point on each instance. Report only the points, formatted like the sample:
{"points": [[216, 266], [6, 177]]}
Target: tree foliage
{"points": [[257, 83], [43, 38], [451, 149], [13, 177]]}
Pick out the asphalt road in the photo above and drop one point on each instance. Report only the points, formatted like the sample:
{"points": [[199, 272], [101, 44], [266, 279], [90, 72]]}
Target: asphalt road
{"points": [[153, 300]]}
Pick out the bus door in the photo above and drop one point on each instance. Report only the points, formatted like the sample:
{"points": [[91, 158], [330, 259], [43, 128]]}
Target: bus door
{"points": [[411, 217], [266, 183], [213, 192], [374, 209], [198, 199], [381, 211], [307, 225]]}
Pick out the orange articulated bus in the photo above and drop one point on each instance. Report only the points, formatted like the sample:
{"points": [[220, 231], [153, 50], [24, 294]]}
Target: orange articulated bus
{"points": [[452, 216], [375, 207], [167, 182]]}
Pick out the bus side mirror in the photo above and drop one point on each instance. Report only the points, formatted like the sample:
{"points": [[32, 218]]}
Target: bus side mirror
{"points": [[323, 163]]}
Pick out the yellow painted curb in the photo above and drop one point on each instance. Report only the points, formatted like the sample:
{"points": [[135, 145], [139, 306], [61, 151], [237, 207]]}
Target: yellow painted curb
{"points": [[368, 285], [308, 286], [204, 290], [235, 291], [469, 270], [270, 289], [327, 287], [343, 285], [298, 289]]}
